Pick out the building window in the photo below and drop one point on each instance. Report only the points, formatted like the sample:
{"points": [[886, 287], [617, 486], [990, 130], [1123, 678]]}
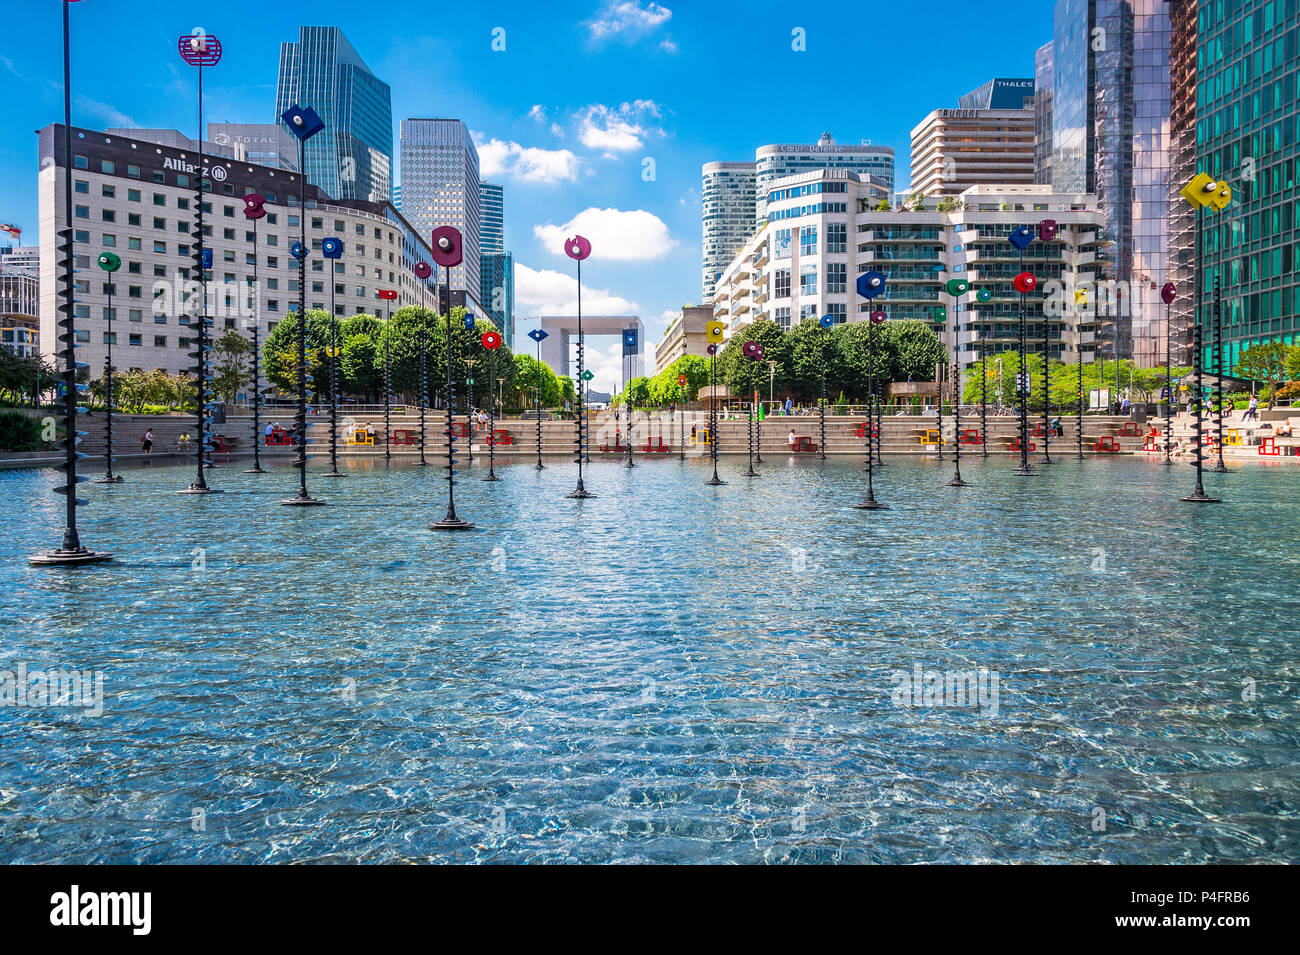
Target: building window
{"points": [[135, 339], [81, 186], [837, 277], [110, 240], [160, 341], [838, 312], [807, 311], [782, 277], [82, 212], [808, 240], [782, 317], [108, 215], [807, 280], [108, 192], [837, 237], [133, 171], [106, 165], [133, 244]]}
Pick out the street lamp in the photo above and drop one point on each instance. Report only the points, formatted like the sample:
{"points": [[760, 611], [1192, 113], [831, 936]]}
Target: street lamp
{"points": [[201, 49], [331, 250], [538, 335], [304, 124], [71, 551], [713, 333], [110, 263], [254, 209], [1024, 283], [578, 248], [447, 251], [871, 285]]}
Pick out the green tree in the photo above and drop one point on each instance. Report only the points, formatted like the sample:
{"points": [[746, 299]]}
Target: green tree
{"points": [[1264, 362], [231, 365]]}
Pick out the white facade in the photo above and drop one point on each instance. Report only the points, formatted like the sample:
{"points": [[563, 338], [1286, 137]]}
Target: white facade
{"points": [[136, 199], [805, 262], [782, 160], [954, 149]]}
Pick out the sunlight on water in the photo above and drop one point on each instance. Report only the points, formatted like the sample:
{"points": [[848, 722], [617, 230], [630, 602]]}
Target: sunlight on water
{"points": [[666, 672]]}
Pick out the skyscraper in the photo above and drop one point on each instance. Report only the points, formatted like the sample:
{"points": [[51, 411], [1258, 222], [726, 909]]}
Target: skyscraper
{"points": [[727, 193], [496, 266], [1111, 137], [1043, 84], [987, 140], [353, 157], [440, 186], [1246, 135]]}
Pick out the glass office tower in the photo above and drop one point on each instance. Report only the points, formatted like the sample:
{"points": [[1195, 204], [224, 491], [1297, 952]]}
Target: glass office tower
{"points": [[353, 157], [1248, 135], [1111, 137]]}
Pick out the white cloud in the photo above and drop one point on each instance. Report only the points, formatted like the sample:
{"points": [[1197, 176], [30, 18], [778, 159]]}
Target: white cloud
{"points": [[497, 157], [628, 20], [110, 115], [668, 45], [617, 234], [621, 128], [538, 112], [548, 292]]}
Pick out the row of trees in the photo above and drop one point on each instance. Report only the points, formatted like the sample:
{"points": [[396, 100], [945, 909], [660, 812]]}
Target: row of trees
{"points": [[905, 350]]}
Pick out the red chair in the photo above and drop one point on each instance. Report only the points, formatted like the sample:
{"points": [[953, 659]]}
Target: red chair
{"points": [[1269, 446], [1015, 445], [1108, 444], [803, 444], [1130, 429], [403, 436], [971, 436]]}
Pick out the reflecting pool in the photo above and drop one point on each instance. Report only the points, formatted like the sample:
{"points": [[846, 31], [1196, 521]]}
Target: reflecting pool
{"points": [[1070, 667]]}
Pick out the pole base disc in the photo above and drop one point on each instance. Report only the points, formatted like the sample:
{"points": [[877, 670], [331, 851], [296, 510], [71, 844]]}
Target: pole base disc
{"points": [[491, 477], [871, 506], [958, 482], [1024, 472], [333, 474], [579, 494], [69, 558], [539, 467], [715, 482], [258, 470], [1202, 498], [1219, 469], [115, 479], [302, 501], [451, 525], [195, 489]]}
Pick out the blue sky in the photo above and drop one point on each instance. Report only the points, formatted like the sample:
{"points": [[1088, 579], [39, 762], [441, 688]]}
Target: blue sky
{"points": [[566, 116]]}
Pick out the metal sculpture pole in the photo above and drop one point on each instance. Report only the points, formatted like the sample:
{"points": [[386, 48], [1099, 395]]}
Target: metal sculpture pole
{"points": [[469, 408], [1198, 496], [713, 333], [753, 351], [869, 503], [1219, 467], [422, 272], [70, 551], [681, 419], [956, 288], [303, 123], [253, 210], [388, 295], [1047, 231], [110, 263], [1168, 294], [578, 248], [332, 249], [447, 251], [940, 376], [1078, 415], [826, 322], [201, 50], [538, 335], [628, 405], [491, 341], [1021, 237], [984, 399]]}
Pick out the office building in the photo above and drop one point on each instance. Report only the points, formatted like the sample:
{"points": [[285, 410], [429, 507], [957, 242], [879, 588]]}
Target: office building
{"points": [[19, 310], [397, 197], [21, 258], [440, 186], [352, 158], [1111, 138], [1248, 135], [804, 264], [1043, 86], [954, 149], [492, 219], [728, 200], [781, 160], [496, 265], [136, 198], [1182, 168], [1000, 93], [262, 144], [685, 335]]}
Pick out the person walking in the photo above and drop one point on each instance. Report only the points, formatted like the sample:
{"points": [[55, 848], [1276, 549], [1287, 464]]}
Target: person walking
{"points": [[146, 441]]}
